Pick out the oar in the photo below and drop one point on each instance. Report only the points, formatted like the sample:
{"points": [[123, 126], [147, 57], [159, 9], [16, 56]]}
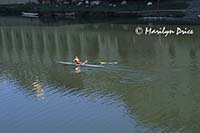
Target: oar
{"points": [[110, 63]]}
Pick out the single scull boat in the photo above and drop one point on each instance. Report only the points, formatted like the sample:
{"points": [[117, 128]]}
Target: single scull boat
{"points": [[84, 65]]}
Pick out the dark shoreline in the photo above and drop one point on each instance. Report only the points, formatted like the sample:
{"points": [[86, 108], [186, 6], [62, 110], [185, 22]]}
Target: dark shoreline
{"points": [[52, 21], [131, 14]]}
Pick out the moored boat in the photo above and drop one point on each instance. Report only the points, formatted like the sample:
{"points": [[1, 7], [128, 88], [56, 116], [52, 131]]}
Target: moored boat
{"points": [[30, 14]]}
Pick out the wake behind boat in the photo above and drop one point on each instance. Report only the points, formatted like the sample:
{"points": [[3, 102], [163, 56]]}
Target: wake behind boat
{"points": [[81, 65]]}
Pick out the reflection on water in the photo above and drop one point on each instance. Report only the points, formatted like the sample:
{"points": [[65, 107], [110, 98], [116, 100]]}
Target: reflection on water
{"points": [[153, 87], [37, 88]]}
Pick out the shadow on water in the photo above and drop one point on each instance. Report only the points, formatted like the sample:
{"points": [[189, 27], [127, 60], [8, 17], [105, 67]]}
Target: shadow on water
{"points": [[155, 83]]}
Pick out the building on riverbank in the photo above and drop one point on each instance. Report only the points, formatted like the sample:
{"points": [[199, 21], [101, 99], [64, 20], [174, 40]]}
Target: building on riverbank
{"points": [[16, 1]]}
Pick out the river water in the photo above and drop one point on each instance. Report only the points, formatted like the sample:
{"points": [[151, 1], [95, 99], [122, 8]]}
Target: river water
{"points": [[153, 88]]}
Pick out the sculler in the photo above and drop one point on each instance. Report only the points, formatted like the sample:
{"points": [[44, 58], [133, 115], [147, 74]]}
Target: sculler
{"points": [[78, 62]]}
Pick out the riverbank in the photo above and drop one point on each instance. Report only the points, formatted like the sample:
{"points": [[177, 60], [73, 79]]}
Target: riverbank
{"points": [[175, 12]]}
